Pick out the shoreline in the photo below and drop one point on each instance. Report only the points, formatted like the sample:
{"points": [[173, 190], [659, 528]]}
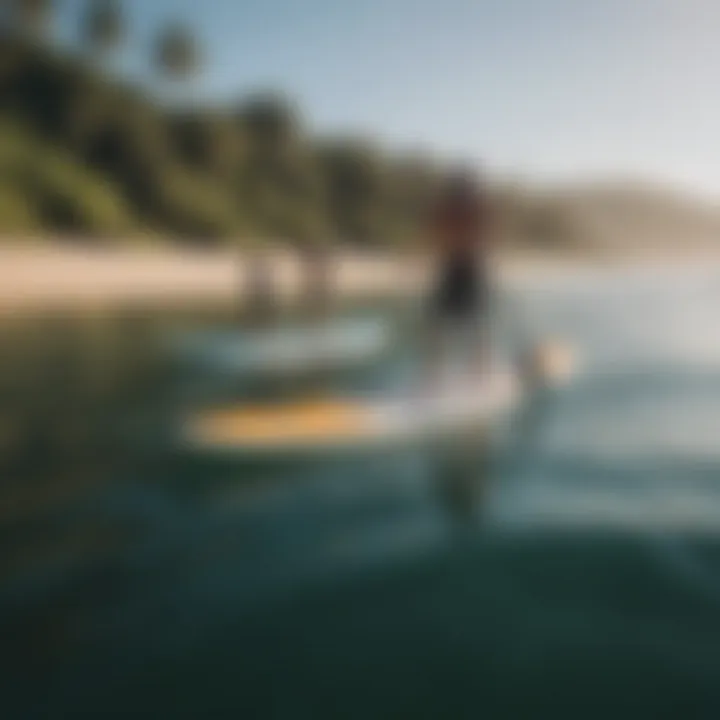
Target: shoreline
{"points": [[50, 277]]}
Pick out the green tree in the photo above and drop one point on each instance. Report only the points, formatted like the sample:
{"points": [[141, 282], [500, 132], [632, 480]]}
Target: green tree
{"points": [[177, 55], [103, 25], [272, 123], [207, 141], [30, 16], [357, 178]]}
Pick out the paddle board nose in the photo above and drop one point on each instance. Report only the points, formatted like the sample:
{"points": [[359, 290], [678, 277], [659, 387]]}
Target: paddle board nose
{"points": [[551, 362]]}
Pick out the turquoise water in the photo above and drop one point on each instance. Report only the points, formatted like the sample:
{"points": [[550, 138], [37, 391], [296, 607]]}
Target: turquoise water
{"points": [[571, 571]]}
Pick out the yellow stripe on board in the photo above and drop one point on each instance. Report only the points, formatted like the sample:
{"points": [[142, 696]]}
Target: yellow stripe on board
{"points": [[298, 422]]}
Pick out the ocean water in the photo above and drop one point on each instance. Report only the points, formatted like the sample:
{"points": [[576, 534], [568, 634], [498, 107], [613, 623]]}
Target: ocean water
{"points": [[567, 566]]}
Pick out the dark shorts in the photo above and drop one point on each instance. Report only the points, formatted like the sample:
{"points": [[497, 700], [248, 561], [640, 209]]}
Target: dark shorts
{"points": [[461, 292]]}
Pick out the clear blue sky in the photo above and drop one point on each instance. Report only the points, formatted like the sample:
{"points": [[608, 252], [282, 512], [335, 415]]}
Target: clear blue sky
{"points": [[542, 88]]}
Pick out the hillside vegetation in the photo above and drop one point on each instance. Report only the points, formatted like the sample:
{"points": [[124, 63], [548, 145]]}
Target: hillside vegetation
{"points": [[86, 156]]}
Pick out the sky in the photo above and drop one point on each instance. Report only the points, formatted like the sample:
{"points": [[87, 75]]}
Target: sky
{"points": [[553, 90]]}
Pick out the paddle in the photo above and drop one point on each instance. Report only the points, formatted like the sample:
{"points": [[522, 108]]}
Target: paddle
{"points": [[548, 362]]}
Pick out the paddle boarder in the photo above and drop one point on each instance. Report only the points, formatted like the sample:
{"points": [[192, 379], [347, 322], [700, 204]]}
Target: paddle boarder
{"points": [[460, 235]]}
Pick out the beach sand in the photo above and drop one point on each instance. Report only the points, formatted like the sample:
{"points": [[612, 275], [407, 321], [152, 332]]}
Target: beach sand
{"points": [[57, 277], [54, 277]]}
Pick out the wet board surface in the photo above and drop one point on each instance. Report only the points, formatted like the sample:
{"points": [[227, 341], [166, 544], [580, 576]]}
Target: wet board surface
{"points": [[324, 424], [283, 349]]}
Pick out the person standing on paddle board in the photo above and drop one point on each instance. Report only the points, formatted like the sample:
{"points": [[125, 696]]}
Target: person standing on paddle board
{"points": [[461, 244]]}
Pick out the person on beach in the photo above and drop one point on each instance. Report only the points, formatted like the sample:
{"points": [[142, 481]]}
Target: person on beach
{"points": [[260, 286], [315, 260], [460, 245]]}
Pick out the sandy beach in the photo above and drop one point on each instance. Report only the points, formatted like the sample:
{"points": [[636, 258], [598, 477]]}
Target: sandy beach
{"points": [[52, 277]]}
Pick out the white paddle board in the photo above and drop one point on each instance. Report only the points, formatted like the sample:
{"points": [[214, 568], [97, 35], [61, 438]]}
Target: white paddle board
{"points": [[286, 349], [319, 426]]}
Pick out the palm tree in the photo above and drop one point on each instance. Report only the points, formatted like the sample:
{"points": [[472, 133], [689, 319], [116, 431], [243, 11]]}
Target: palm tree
{"points": [[177, 55], [30, 16], [103, 25]]}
